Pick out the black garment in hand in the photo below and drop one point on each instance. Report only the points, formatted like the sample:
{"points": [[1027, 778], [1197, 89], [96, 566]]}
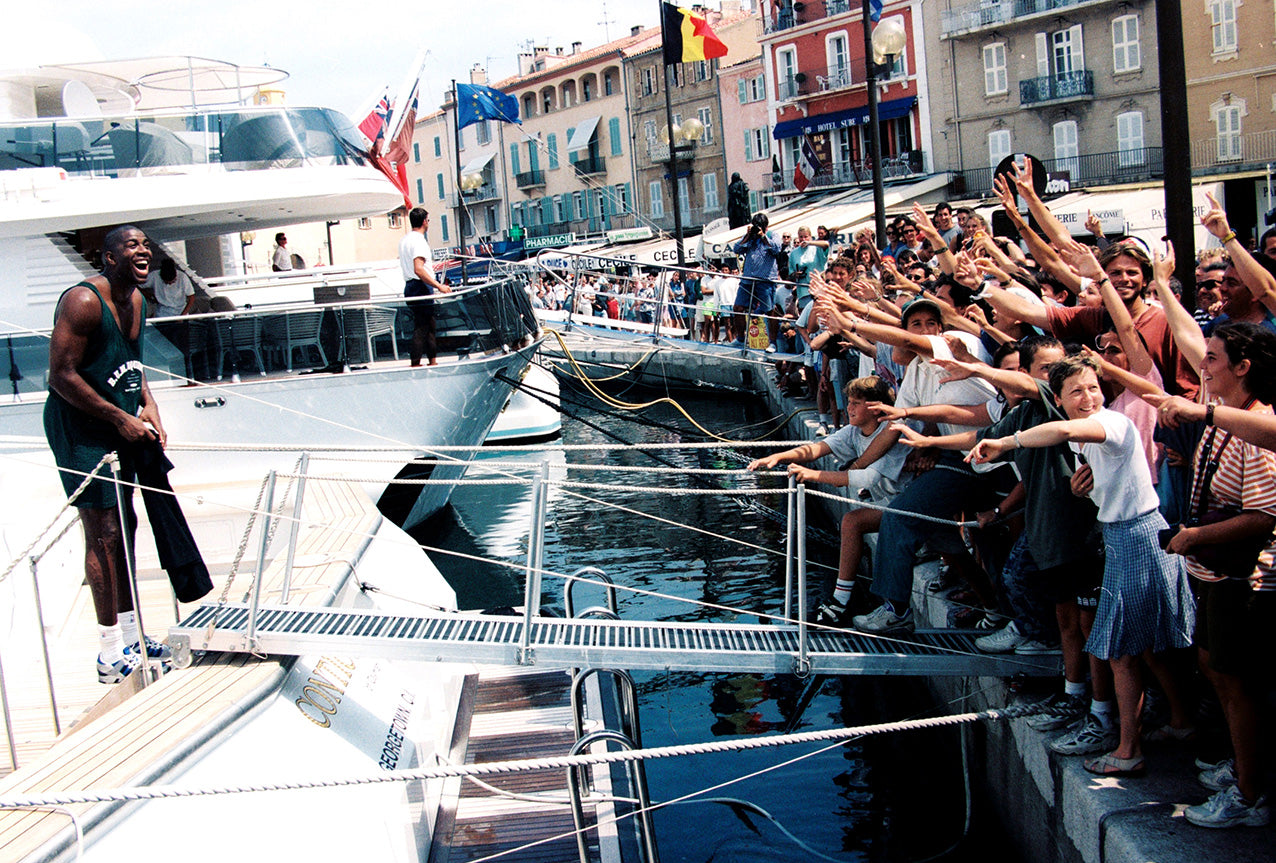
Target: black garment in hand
{"points": [[178, 554]]}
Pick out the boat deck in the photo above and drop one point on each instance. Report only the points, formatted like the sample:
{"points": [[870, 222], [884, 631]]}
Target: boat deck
{"points": [[511, 714], [133, 734]]}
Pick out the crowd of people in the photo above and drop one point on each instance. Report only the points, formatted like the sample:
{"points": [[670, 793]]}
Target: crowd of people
{"points": [[1093, 462]]}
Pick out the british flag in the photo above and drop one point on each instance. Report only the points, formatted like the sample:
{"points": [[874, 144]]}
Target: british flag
{"points": [[373, 125]]}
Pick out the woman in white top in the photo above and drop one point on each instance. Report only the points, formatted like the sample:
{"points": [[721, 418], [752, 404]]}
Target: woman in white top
{"points": [[1145, 605]]}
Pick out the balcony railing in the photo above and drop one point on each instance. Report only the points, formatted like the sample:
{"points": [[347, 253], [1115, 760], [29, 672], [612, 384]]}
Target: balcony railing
{"points": [[1231, 153], [838, 77], [1092, 169], [836, 7], [793, 87], [530, 179], [856, 173], [1057, 88], [592, 165], [784, 19], [996, 13], [658, 152]]}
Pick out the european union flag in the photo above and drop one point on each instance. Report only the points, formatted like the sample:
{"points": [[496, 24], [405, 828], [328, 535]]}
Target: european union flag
{"points": [[475, 103]]}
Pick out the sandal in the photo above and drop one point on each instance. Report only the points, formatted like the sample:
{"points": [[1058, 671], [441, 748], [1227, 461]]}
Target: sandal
{"points": [[1111, 765]]}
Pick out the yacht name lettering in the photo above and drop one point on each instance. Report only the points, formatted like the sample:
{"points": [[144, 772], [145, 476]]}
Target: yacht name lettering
{"points": [[321, 696], [393, 746], [125, 368]]}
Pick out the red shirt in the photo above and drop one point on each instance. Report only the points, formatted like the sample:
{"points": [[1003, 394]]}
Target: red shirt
{"points": [[1083, 324]]}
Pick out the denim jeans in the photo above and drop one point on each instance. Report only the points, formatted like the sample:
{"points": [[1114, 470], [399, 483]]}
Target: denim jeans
{"points": [[940, 492]]}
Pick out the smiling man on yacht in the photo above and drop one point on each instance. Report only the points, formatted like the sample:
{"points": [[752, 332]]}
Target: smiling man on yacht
{"points": [[98, 401]]}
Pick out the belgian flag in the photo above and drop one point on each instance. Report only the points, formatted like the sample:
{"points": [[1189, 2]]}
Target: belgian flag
{"points": [[687, 37]]}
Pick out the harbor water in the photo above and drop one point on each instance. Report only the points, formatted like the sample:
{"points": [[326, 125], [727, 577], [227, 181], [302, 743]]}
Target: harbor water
{"points": [[888, 797]]}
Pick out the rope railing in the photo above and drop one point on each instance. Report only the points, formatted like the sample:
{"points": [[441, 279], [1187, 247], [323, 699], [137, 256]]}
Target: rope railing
{"points": [[497, 768]]}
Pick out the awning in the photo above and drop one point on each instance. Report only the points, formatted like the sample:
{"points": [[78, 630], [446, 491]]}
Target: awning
{"points": [[581, 135], [477, 164], [841, 213], [1134, 212], [892, 110]]}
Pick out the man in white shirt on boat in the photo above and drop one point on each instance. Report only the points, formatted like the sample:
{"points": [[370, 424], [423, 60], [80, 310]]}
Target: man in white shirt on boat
{"points": [[172, 289], [281, 260], [417, 262]]}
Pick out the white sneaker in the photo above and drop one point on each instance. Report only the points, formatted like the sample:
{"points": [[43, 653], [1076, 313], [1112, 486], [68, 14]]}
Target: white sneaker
{"points": [[1063, 711], [1219, 777], [883, 620], [1088, 738], [770, 349], [1228, 808], [1003, 640]]}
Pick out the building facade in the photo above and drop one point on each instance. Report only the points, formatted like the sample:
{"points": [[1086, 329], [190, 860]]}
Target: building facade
{"points": [[1231, 96], [569, 167], [746, 126], [1073, 82], [815, 58], [696, 93]]}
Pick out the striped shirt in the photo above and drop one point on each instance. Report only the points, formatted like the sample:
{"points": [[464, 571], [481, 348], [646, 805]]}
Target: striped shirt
{"points": [[1245, 479]]}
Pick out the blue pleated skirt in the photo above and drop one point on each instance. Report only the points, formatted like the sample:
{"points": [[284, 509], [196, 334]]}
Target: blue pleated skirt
{"points": [[1146, 602]]}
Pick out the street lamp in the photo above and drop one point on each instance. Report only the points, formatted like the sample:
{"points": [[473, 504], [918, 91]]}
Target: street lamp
{"points": [[681, 140], [881, 44]]}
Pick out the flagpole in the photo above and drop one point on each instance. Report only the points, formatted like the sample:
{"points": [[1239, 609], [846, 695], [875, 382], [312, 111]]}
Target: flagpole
{"points": [[460, 206], [874, 131], [673, 144]]}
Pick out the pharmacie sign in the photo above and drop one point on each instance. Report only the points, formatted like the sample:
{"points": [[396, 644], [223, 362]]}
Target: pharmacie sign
{"points": [[551, 240]]}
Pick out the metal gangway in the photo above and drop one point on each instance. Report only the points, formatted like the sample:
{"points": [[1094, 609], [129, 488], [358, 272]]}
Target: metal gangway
{"points": [[580, 643], [594, 637]]}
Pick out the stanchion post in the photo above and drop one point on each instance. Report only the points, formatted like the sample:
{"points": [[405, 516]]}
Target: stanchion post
{"points": [[268, 505], [125, 540], [303, 466], [44, 647], [788, 547], [531, 580], [803, 662]]}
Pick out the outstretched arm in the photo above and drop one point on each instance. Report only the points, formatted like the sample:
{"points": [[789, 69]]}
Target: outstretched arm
{"points": [[804, 453], [1184, 329], [1038, 437]]}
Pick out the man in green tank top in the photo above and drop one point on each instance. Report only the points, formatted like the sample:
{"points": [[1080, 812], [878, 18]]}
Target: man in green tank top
{"points": [[98, 400]]}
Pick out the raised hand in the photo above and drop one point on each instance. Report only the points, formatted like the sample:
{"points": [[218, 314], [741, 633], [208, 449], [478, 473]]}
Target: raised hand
{"points": [[1163, 264], [1092, 224], [1215, 220], [883, 411], [1081, 258], [909, 437]]}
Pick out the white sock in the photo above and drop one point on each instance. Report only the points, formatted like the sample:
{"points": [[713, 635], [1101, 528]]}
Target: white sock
{"points": [[1104, 711], [110, 643], [1070, 688], [128, 626], [842, 593]]}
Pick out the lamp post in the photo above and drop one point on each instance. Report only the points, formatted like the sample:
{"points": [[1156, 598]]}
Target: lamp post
{"points": [[681, 141], [880, 45]]}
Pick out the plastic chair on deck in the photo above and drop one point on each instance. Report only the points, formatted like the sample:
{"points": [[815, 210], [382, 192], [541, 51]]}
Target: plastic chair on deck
{"points": [[238, 336], [380, 322], [295, 331]]}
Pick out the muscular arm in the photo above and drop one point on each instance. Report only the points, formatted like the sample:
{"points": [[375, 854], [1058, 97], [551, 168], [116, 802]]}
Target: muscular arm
{"points": [[1014, 306], [78, 316], [1258, 429]]}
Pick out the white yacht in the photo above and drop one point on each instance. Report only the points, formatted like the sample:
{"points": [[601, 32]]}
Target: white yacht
{"points": [[170, 145], [244, 392]]}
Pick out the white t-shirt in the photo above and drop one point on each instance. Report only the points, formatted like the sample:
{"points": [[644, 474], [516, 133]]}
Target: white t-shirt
{"points": [[881, 478], [170, 299], [411, 247], [281, 260], [1120, 491], [727, 289], [921, 385]]}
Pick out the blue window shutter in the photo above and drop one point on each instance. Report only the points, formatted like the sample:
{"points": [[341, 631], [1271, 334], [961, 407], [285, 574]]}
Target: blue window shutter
{"points": [[514, 159], [442, 191], [551, 144], [443, 219], [420, 191], [744, 91], [613, 132], [533, 157]]}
